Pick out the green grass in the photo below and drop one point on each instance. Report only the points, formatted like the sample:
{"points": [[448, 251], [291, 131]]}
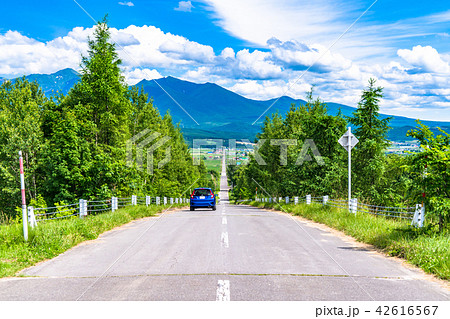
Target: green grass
{"points": [[424, 248], [52, 238], [214, 164]]}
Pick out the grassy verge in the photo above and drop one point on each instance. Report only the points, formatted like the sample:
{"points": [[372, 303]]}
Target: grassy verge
{"points": [[52, 238], [421, 247]]}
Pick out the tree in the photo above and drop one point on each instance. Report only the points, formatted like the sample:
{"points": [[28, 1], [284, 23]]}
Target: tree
{"points": [[20, 130], [102, 90], [368, 158], [305, 122], [431, 170]]}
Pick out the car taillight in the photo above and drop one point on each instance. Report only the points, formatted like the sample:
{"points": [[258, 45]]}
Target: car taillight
{"points": [[212, 195]]}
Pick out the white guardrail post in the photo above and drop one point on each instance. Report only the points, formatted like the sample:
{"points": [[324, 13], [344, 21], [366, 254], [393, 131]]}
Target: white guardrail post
{"points": [[133, 200], [147, 200], [354, 205], [165, 200], [113, 201], [31, 217], [325, 200], [308, 199], [171, 201], [296, 200], [287, 199], [419, 216], [83, 207], [158, 200]]}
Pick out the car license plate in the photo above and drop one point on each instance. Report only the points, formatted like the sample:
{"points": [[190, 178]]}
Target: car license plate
{"points": [[202, 197]]}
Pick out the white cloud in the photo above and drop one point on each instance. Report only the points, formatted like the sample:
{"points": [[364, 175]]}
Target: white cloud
{"points": [[257, 21], [416, 81], [265, 90], [426, 59], [297, 55], [137, 75], [183, 49], [128, 4], [185, 6]]}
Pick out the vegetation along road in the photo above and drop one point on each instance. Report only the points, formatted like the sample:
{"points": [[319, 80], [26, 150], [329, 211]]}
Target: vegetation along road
{"points": [[234, 253]]}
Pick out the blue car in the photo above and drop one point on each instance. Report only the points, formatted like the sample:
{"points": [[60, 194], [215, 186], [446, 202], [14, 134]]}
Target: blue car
{"points": [[203, 197]]}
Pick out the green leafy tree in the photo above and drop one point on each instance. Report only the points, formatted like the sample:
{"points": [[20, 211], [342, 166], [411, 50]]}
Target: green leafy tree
{"points": [[431, 170], [368, 160], [20, 130], [302, 123]]}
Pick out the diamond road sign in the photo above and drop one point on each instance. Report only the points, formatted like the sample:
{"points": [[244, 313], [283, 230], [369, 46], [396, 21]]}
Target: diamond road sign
{"points": [[348, 139]]}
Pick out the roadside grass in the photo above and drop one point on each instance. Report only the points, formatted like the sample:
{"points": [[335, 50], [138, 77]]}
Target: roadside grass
{"points": [[52, 238], [424, 248]]}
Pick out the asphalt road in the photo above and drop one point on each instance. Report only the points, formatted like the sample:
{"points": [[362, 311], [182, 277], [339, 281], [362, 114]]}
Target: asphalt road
{"points": [[233, 253]]}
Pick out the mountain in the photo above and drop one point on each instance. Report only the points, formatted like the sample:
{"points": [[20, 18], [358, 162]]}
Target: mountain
{"points": [[211, 111], [61, 81], [220, 112]]}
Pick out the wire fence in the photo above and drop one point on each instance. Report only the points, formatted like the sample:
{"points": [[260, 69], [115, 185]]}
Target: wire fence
{"points": [[416, 213], [93, 207]]}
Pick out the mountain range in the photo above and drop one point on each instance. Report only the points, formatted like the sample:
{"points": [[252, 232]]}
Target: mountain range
{"points": [[210, 111]]}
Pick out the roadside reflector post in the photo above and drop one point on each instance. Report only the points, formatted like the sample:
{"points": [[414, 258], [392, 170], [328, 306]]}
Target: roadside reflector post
{"points": [[31, 217], [325, 200], [24, 202], [354, 205], [419, 216], [82, 204], [308, 199]]}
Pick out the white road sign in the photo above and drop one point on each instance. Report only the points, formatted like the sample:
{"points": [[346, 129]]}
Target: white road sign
{"points": [[344, 140]]}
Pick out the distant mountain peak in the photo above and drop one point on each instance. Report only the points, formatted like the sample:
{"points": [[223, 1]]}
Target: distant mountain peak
{"points": [[215, 108]]}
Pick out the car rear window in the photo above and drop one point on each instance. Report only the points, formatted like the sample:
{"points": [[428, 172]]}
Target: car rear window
{"points": [[202, 192]]}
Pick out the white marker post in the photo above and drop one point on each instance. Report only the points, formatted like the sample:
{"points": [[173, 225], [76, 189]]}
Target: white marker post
{"points": [[24, 203], [348, 141]]}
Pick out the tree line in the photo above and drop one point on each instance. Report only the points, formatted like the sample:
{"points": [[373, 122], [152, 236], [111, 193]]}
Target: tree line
{"points": [[377, 178], [74, 145]]}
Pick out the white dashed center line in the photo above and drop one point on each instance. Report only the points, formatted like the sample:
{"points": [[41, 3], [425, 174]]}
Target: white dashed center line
{"points": [[223, 290], [224, 239], [224, 220]]}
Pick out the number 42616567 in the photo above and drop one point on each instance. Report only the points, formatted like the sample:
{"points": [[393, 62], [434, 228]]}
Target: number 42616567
{"points": [[406, 310]]}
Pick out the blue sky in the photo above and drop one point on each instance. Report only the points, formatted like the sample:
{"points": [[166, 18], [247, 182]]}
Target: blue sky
{"points": [[257, 48]]}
